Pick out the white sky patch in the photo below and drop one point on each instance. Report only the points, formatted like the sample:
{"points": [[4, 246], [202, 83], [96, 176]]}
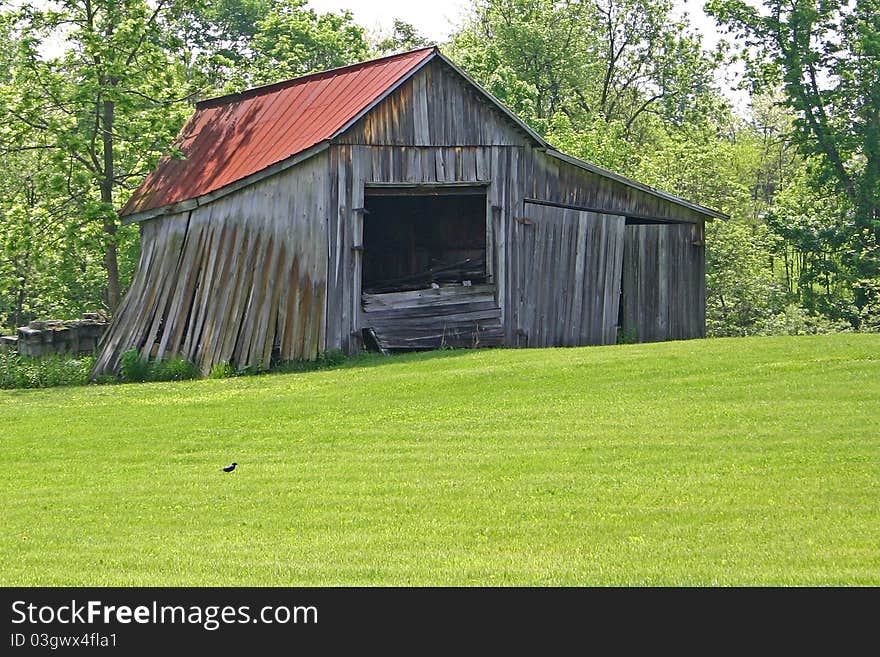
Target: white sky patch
{"points": [[435, 21], [728, 76]]}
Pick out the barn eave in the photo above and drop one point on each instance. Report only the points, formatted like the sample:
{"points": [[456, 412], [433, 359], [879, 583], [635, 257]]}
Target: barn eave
{"points": [[192, 203]]}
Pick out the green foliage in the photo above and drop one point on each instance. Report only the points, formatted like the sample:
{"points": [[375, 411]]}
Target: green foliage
{"points": [[91, 93], [134, 368], [326, 360], [794, 320], [224, 370], [627, 336], [292, 40], [236, 44], [741, 287], [332, 358], [825, 54], [618, 62], [869, 314], [78, 127], [173, 369], [44, 372], [403, 37], [622, 83]]}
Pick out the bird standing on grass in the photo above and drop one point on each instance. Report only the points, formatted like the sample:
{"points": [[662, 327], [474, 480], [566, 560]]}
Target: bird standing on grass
{"points": [[230, 467]]}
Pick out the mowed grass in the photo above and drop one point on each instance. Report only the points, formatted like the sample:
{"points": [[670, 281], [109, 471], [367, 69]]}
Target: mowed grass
{"points": [[717, 462]]}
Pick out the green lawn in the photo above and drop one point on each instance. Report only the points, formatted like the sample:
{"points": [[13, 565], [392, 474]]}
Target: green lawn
{"points": [[731, 462]]}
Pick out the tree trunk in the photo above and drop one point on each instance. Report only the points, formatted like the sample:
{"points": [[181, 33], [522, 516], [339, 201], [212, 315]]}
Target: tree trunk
{"points": [[111, 263], [21, 274]]}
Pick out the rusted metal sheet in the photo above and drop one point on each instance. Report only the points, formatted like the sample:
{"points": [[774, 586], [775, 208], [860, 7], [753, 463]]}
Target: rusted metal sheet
{"points": [[235, 136]]}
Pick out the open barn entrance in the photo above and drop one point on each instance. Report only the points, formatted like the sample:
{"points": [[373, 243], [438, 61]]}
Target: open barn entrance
{"points": [[414, 240], [425, 280]]}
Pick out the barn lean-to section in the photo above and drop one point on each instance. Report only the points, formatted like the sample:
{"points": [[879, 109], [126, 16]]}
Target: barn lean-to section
{"points": [[240, 280], [428, 217]]}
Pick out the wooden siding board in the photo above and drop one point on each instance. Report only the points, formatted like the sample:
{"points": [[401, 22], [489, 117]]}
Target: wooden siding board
{"points": [[430, 319], [435, 107], [568, 262], [663, 282], [557, 181]]}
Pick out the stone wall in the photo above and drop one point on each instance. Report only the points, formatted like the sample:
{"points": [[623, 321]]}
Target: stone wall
{"points": [[79, 336]]}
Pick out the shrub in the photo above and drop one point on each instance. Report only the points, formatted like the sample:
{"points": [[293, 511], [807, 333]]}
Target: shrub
{"points": [[795, 320], [172, 369], [332, 358], [325, 360], [133, 367], [626, 336], [222, 370], [136, 369]]}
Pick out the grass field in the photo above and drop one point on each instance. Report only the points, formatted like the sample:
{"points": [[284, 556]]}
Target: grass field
{"points": [[719, 462]]}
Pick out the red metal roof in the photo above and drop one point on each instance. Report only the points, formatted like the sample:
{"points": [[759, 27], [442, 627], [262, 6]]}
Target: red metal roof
{"points": [[235, 136]]}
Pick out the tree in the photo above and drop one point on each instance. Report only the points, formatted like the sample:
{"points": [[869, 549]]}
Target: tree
{"points": [[292, 40], [403, 37], [608, 62], [236, 44], [92, 92], [101, 111], [826, 55]]}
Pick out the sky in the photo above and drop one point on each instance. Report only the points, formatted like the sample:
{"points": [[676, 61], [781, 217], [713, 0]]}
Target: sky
{"points": [[433, 20]]}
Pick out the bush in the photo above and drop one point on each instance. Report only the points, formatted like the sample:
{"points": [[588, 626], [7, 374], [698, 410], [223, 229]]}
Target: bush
{"points": [[133, 367], [325, 360], [173, 369], [627, 336], [332, 358], [136, 369], [795, 320], [223, 370], [45, 372]]}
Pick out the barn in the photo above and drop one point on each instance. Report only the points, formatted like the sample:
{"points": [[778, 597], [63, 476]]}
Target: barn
{"points": [[395, 205]]}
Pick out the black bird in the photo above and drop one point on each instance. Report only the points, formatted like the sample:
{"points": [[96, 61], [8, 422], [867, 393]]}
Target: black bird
{"points": [[230, 467]]}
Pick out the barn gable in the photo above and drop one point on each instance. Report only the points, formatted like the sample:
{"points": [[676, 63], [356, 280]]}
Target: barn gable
{"points": [[436, 107]]}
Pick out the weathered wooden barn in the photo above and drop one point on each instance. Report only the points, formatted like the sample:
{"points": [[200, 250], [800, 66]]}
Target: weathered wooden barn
{"points": [[394, 204]]}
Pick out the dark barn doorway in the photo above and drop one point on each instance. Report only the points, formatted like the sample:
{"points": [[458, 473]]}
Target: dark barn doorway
{"points": [[412, 240], [425, 282]]}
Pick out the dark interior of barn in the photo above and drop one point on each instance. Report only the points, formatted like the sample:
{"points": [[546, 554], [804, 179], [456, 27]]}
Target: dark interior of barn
{"points": [[412, 241]]}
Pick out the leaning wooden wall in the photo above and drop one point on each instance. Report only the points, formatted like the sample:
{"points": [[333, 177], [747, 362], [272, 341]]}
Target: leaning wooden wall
{"points": [[232, 281], [664, 294]]}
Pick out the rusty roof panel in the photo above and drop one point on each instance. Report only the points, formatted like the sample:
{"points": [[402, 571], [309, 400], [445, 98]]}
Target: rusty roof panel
{"points": [[232, 137]]}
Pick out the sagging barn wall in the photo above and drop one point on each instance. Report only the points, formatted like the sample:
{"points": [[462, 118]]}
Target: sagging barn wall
{"points": [[240, 280]]}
